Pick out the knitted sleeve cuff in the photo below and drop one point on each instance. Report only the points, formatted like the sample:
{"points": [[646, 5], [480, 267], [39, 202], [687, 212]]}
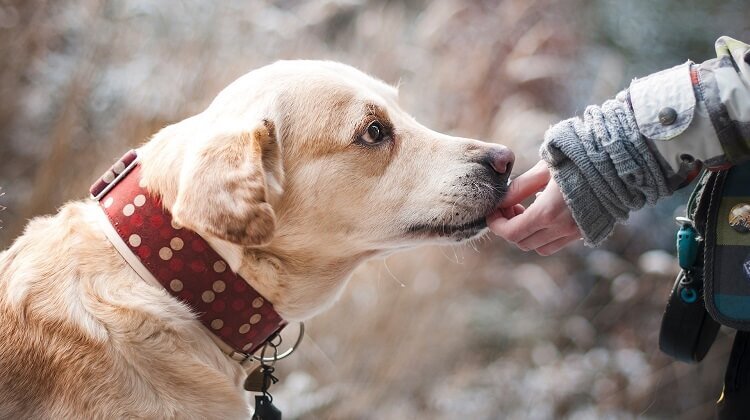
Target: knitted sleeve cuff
{"points": [[593, 220], [604, 167]]}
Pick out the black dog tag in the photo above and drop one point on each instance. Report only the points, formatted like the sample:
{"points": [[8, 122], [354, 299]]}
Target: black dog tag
{"points": [[265, 410], [256, 381]]}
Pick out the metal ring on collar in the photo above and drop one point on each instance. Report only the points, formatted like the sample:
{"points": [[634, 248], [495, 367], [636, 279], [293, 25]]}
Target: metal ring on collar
{"points": [[286, 353]]}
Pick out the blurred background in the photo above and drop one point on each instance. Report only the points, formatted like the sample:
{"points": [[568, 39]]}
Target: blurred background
{"points": [[480, 331]]}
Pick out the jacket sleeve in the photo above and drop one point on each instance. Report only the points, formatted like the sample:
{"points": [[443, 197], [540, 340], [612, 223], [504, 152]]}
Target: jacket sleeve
{"points": [[652, 138], [697, 112]]}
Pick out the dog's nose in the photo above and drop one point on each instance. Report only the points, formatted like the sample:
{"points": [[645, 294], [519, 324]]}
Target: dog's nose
{"points": [[500, 158]]}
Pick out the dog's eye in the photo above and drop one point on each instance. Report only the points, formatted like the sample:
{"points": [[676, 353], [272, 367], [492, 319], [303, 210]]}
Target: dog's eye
{"points": [[374, 134]]}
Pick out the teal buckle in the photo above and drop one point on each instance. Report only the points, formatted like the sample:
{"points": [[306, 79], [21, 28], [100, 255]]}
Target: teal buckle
{"points": [[687, 243]]}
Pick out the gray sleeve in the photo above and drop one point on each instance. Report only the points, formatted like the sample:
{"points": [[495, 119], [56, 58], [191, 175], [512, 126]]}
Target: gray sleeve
{"points": [[652, 139], [605, 168]]}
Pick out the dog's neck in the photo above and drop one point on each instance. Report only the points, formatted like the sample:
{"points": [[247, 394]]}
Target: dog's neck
{"points": [[182, 262], [292, 278], [297, 275], [301, 281]]}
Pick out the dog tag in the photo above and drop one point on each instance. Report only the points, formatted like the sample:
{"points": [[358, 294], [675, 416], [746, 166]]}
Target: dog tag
{"points": [[255, 380], [265, 410]]}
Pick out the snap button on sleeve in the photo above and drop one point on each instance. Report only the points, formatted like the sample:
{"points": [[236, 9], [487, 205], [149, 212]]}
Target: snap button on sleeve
{"points": [[664, 102], [667, 116]]}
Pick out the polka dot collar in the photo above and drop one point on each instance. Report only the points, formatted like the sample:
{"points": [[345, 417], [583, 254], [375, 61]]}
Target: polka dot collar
{"points": [[183, 262]]}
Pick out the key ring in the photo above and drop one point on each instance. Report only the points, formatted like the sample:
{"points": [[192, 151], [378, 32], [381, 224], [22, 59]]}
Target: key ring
{"points": [[263, 359]]}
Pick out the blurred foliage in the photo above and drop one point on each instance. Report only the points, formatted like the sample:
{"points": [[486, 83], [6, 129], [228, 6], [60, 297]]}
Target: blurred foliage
{"points": [[480, 331]]}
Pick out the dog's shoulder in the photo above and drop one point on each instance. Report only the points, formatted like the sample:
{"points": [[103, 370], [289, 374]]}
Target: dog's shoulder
{"points": [[77, 325]]}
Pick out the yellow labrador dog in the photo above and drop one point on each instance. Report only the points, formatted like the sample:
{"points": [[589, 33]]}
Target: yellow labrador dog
{"points": [[295, 174]]}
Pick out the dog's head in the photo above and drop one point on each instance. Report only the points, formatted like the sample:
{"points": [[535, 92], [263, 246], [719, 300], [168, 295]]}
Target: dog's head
{"points": [[307, 167]]}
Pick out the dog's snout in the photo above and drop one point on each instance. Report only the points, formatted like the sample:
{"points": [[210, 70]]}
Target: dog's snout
{"points": [[500, 159]]}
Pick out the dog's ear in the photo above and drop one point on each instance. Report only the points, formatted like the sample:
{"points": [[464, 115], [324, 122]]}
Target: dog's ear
{"points": [[223, 190]]}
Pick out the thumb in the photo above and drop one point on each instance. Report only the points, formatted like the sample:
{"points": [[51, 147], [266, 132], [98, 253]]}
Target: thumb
{"points": [[527, 184]]}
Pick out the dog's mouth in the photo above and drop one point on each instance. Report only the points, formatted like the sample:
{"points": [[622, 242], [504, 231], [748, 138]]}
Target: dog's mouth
{"points": [[479, 199], [458, 232]]}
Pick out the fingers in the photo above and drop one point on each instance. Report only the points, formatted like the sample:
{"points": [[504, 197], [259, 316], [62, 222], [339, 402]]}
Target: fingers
{"points": [[556, 245], [514, 229], [527, 184], [507, 212], [546, 226], [548, 236], [539, 239]]}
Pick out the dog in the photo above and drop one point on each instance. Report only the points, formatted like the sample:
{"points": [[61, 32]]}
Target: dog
{"points": [[296, 173]]}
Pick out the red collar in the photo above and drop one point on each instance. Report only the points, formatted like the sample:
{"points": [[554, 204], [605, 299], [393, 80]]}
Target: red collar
{"points": [[183, 262]]}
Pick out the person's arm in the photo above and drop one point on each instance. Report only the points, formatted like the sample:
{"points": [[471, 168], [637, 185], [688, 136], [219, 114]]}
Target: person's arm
{"points": [[698, 111], [633, 150]]}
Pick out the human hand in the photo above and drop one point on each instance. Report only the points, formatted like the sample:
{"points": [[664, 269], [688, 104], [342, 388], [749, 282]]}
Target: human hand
{"points": [[546, 226]]}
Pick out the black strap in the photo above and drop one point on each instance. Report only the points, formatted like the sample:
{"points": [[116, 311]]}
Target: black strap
{"points": [[735, 401], [738, 369], [700, 200]]}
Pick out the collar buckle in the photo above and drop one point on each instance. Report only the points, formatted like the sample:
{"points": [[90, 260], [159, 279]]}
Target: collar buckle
{"points": [[114, 175]]}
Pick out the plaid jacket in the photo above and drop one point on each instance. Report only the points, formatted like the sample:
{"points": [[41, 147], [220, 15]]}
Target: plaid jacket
{"points": [[698, 111]]}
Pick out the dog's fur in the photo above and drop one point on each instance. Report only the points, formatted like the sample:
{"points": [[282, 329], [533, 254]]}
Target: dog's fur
{"points": [[275, 176]]}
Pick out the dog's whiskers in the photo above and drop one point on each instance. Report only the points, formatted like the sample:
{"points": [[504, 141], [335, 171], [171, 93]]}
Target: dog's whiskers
{"points": [[385, 263]]}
